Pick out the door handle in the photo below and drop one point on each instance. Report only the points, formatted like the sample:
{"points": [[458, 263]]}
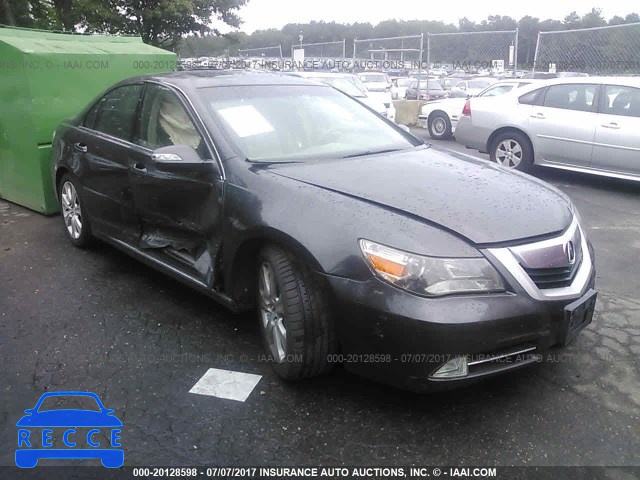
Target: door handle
{"points": [[139, 167], [613, 125], [80, 147], [539, 116]]}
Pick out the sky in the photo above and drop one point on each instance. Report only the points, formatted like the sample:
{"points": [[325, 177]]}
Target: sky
{"points": [[263, 14]]}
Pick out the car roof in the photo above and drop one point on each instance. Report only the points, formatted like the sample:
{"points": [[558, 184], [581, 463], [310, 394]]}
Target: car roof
{"points": [[222, 78], [617, 80]]}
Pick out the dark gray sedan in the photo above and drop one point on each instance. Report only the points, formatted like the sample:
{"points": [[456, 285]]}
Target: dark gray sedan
{"points": [[354, 241]]}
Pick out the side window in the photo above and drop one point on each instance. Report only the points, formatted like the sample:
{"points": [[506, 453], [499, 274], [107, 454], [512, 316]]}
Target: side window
{"points": [[532, 98], [92, 114], [116, 112], [621, 101], [571, 97], [165, 122]]}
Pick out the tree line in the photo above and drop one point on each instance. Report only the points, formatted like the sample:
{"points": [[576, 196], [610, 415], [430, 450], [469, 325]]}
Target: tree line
{"points": [[184, 26]]}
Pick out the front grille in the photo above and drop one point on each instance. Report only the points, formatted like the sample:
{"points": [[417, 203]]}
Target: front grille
{"points": [[546, 278]]}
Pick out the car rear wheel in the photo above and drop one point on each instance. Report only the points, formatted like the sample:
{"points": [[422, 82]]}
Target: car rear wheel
{"points": [[512, 150], [439, 126], [295, 322], [76, 220]]}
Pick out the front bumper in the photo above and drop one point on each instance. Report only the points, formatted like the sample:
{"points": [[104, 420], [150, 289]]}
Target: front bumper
{"points": [[397, 338]]}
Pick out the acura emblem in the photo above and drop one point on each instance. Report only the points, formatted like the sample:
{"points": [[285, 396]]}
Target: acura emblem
{"points": [[570, 252]]}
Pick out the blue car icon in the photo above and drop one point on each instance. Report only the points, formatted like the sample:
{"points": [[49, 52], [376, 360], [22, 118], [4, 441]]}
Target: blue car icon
{"points": [[33, 445]]}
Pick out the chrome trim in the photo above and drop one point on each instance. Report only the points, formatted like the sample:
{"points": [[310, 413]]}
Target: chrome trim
{"points": [[493, 358], [564, 139], [590, 170], [510, 261]]}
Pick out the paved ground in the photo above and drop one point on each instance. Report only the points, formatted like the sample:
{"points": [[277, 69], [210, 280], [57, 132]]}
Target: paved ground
{"points": [[98, 321]]}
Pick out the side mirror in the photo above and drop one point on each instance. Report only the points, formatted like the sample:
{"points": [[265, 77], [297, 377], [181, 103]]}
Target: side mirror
{"points": [[176, 154]]}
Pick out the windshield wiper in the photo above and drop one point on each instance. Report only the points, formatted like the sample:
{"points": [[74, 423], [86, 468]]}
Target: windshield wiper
{"points": [[372, 152]]}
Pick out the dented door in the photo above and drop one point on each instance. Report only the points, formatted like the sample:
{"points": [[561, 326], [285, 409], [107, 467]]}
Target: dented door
{"points": [[178, 203]]}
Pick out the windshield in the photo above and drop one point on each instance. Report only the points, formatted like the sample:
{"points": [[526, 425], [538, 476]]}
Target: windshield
{"points": [[431, 84], [480, 83], [450, 82], [69, 402], [341, 84], [373, 77], [296, 123]]}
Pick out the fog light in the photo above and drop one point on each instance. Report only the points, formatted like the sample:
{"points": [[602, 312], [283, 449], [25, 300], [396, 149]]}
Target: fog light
{"points": [[454, 368]]}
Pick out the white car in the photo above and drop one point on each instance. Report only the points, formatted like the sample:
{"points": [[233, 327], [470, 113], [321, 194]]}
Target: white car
{"points": [[379, 87], [441, 116], [589, 124], [351, 85], [472, 86]]}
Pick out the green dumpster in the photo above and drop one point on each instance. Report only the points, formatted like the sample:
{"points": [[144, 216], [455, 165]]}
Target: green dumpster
{"points": [[46, 77]]}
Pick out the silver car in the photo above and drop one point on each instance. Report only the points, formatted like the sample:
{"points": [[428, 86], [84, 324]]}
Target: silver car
{"points": [[584, 124]]}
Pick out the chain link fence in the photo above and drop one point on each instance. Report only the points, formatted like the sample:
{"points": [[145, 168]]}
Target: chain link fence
{"points": [[331, 50], [404, 52], [274, 52], [474, 51], [602, 50]]}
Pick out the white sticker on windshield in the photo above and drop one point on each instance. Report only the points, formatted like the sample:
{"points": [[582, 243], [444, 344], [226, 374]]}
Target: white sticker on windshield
{"points": [[246, 120]]}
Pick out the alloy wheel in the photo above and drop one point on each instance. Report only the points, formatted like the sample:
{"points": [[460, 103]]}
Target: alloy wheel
{"points": [[71, 210], [509, 153], [272, 313]]}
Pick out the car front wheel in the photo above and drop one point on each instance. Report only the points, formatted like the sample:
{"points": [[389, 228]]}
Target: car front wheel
{"points": [[295, 321], [439, 126], [76, 220], [512, 150]]}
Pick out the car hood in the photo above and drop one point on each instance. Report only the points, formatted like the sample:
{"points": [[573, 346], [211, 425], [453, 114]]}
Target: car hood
{"points": [[478, 200]]}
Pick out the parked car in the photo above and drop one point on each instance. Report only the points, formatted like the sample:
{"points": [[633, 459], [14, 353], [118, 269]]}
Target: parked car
{"points": [[349, 236], [540, 75], [429, 90], [399, 87], [449, 82], [378, 87], [470, 87], [441, 116], [347, 83], [584, 124], [376, 81]]}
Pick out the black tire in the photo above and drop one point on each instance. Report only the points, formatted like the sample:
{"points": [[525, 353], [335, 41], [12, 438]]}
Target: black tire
{"points": [[515, 139], [439, 125], [84, 239], [310, 335]]}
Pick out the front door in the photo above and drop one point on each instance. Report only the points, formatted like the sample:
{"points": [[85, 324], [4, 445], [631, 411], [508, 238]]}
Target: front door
{"points": [[617, 142], [563, 128], [178, 202]]}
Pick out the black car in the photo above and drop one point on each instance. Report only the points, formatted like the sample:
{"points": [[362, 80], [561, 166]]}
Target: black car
{"points": [[429, 90], [355, 242]]}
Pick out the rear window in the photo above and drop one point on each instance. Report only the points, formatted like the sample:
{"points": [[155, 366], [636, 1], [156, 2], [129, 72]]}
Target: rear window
{"points": [[373, 77]]}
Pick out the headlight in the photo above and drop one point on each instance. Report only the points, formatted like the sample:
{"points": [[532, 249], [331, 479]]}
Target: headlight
{"points": [[431, 276]]}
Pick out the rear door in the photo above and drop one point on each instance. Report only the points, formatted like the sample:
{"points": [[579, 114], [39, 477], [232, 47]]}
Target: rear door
{"points": [[563, 127], [103, 147], [617, 140], [178, 203]]}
